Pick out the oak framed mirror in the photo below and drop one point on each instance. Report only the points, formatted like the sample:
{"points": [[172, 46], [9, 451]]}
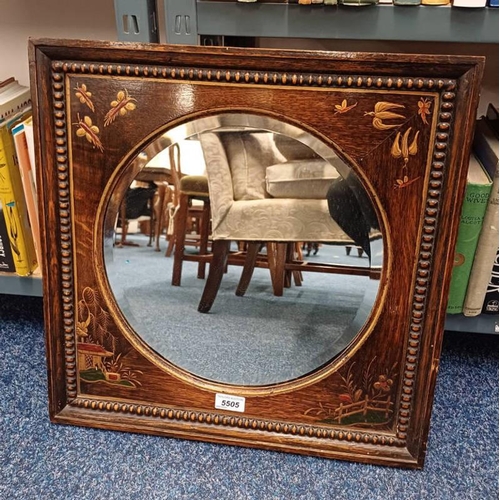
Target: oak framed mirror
{"points": [[305, 206]]}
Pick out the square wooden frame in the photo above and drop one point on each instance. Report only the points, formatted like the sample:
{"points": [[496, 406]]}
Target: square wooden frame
{"points": [[399, 346]]}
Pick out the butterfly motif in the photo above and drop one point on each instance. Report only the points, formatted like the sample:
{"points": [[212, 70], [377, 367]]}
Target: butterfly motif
{"points": [[84, 95], [123, 104], [343, 108], [89, 131], [424, 109]]}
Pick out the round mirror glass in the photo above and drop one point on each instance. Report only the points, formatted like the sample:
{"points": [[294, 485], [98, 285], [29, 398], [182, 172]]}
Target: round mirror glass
{"points": [[243, 250]]}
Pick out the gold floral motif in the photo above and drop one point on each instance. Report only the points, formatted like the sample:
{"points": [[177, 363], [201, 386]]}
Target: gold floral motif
{"points": [[404, 182], [123, 104], [381, 112], [89, 131], [84, 95], [82, 327], [362, 402], [401, 149], [344, 108]]}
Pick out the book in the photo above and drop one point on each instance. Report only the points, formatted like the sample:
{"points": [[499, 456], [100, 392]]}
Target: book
{"points": [[14, 97], [486, 252], [30, 140], [490, 303], [358, 3], [7, 84], [407, 2], [474, 4], [486, 149], [492, 118], [473, 210], [13, 202], [6, 258], [28, 182]]}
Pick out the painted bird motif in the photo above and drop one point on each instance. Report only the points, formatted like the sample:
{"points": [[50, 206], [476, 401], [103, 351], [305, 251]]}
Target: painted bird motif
{"points": [[381, 112]]}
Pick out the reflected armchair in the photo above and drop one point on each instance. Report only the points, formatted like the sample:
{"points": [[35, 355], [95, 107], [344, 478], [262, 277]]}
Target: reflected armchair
{"points": [[242, 167]]}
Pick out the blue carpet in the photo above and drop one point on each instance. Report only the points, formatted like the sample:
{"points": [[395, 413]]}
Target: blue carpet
{"points": [[40, 460]]}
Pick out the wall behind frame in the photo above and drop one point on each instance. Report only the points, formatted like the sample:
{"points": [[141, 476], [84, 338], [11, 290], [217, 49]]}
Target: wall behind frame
{"points": [[21, 19]]}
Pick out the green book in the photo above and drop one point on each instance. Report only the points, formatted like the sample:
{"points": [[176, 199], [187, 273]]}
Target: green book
{"points": [[358, 3], [407, 2], [473, 209]]}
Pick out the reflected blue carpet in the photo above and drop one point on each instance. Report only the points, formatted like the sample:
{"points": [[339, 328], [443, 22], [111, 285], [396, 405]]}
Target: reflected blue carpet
{"points": [[281, 338], [40, 460]]}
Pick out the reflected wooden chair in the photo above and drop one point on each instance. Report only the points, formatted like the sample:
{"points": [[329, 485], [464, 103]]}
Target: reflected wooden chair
{"points": [[138, 201], [189, 223], [161, 203]]}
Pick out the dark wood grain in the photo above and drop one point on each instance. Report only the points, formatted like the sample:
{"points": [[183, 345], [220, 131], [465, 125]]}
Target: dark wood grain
{"points": [[419, 220]]}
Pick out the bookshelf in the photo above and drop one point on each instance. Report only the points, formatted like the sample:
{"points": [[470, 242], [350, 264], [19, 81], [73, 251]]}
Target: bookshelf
{"points": [[484, 323], [377, 22], [21, 285], [379, 27]]}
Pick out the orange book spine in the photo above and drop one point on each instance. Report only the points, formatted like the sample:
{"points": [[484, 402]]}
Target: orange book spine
{"points": [[29, 187]]}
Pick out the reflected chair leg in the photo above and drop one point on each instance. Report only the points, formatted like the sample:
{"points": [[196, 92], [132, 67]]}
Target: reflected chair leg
{"points": [[159, 212], [290, 254], [297, 275], [179, 238], [152, 221], [123, 223], [248, 267], [204, 233], [170, 243], [166, 211], [276, 255], [220, 250]]}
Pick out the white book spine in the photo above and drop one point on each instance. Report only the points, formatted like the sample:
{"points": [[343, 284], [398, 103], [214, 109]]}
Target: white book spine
{"points": [[485, 256], [469, 3]]}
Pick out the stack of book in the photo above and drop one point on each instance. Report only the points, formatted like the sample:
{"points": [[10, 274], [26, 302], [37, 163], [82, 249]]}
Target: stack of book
{"points": [[19, 225], [451, 3], [474, 283]]}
